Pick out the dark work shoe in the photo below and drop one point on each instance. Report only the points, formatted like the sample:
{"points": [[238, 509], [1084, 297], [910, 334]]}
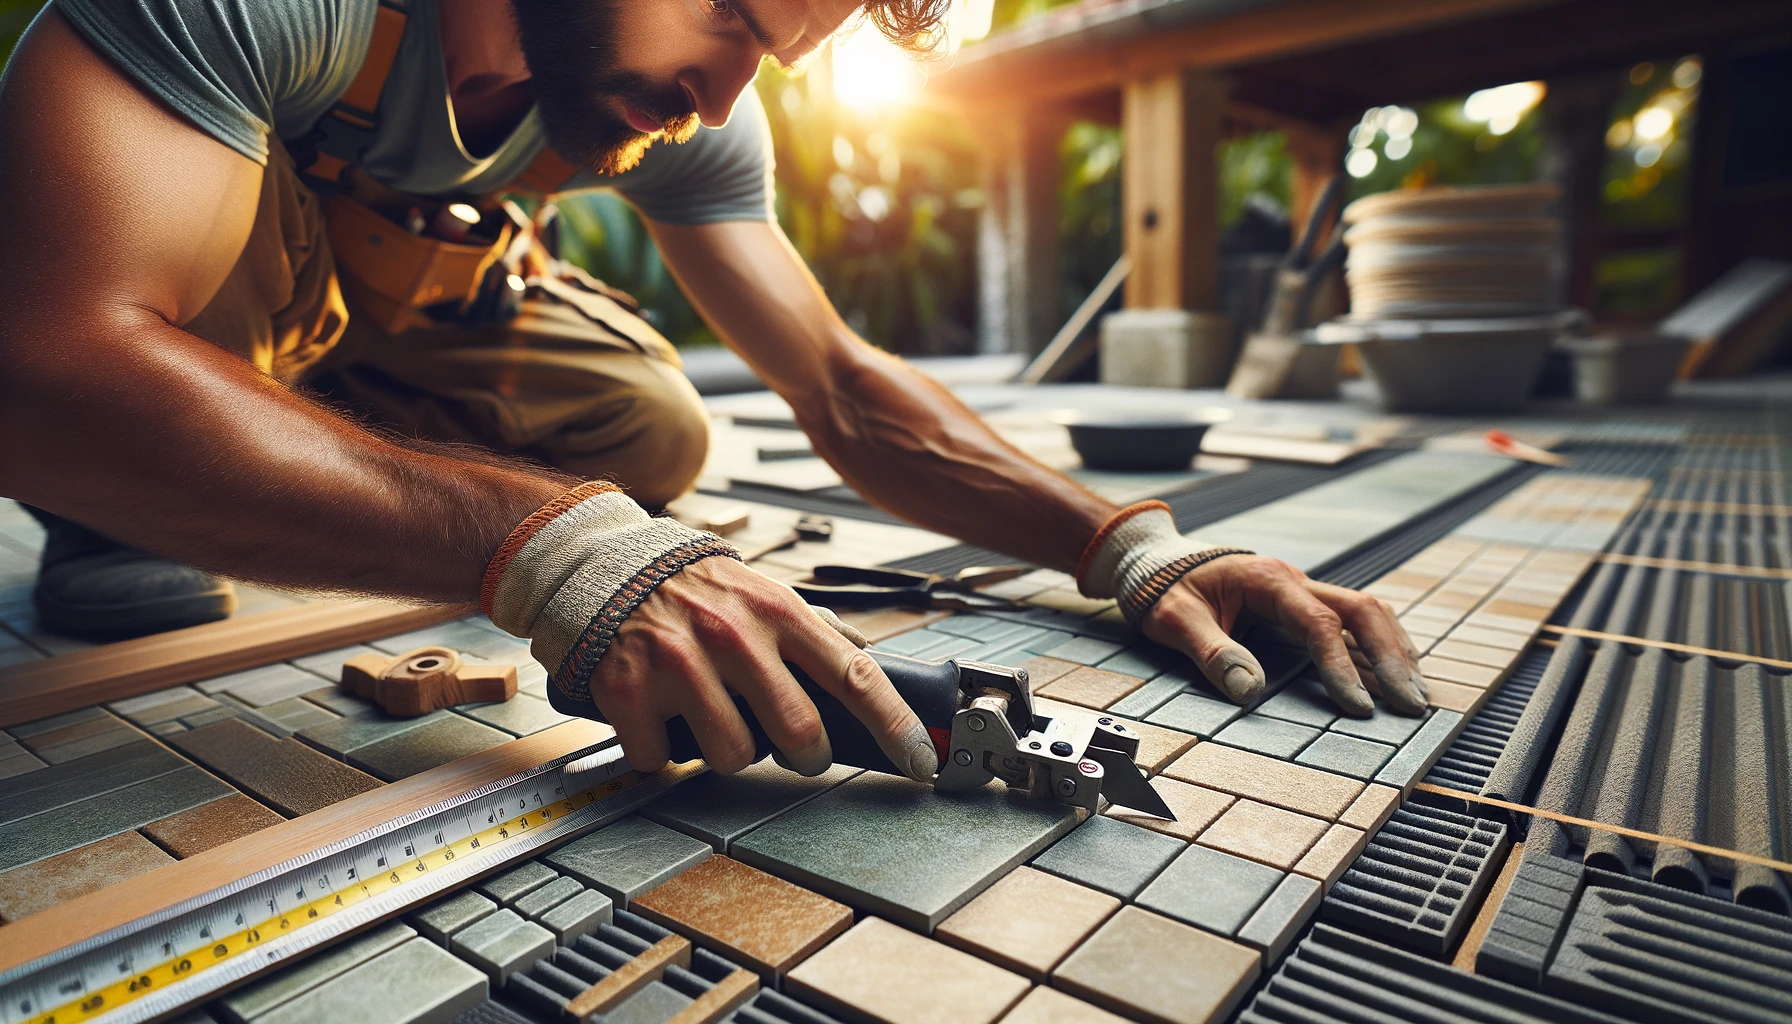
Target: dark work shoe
{"points": [[93, 588]]}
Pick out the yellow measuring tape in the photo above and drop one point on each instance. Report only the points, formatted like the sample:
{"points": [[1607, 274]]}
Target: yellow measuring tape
{"points": [[180, 968]]}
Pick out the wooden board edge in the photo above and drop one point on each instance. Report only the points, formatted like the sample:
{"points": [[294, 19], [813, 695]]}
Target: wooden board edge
{"points": [[67, 682], [96, 912]]}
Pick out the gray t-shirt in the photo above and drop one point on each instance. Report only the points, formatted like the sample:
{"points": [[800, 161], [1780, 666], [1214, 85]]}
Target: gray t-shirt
{"points": [[244, 69]]}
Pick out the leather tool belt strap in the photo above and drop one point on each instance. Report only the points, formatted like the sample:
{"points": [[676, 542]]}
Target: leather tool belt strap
{"points": [[401, 279]]}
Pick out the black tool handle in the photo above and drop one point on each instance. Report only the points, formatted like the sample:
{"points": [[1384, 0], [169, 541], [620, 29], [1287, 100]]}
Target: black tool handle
{"points": [[930, 688]]}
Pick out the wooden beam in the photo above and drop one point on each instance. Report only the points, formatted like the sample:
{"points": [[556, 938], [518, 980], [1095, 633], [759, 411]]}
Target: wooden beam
{"points": [[1576, 112], [1170, 124], [1022, 289], [1002, 72], [38, 689], [82, 918]]}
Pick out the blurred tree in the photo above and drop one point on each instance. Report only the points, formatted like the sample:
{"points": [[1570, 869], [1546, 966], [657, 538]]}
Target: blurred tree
{"points": [[15, 15]]}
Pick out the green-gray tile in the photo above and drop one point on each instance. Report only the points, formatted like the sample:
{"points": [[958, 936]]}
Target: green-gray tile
{"points": [[428, 746], [443, 918], [549, 896], [258, 998], [900, 849], [509, 886], [1271, 737], [416, 983], [1210, 889], [1346, 755], [502, 944], [581, 915], [627, 858], [719, 809], [1383, 726], [1192, 713], [346, 735], [1117, 857], [521, 715]]}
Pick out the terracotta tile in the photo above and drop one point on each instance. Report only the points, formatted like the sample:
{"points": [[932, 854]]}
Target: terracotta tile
{"points": [[1090, 687], [1332, 854], [1265, 834], [1049, 1006], [759, 920], [1125, 967], [1028, 921], [1475, 654], [1042, 671], [209, 825], [1195, 807], [1370, 810], [1266, 780], [1459, 671], [41, 885], [882, 972], [1453, 696], [285, 774]]}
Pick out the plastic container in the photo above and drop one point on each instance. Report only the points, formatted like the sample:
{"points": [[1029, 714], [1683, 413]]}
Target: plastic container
{"points": [[1625, 369], [1146, 442], [1450, 366]]}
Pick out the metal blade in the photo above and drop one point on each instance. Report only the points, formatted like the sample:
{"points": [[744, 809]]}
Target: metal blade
{"points": [[1123, 784]]}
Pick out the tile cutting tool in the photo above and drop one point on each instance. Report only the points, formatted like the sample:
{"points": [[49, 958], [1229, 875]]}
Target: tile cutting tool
{"points": [[984, 726]]}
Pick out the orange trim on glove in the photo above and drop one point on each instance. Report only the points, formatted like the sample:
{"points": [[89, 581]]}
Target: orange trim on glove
{"points": [[494, 570], [1107, 530]]}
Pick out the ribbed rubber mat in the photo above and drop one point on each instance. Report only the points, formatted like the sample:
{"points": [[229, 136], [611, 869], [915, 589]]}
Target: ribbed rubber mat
{"points": [[1335, 977], [770, 1007], [1466, 765], [543, 992], [1371, 563], [1421, 878]]}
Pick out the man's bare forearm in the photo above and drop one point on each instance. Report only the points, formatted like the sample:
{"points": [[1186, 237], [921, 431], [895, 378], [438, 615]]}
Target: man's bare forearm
{"points": [[914, 450], [170, 444]]}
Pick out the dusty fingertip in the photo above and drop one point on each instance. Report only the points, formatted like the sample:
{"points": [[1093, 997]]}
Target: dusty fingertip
{"points": [[1241, 684], [923, 761], [1354, 699], [811, 762]]}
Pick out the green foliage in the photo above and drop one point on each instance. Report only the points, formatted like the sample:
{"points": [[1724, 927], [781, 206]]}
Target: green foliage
{"points": [[1088, 207], [1450, 149], [15, 15], [603, 234], [1252, 166], [1646, 181]]}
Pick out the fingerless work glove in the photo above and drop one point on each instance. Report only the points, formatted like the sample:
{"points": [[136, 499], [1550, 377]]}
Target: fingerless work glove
{"points": [[1138, 556]]}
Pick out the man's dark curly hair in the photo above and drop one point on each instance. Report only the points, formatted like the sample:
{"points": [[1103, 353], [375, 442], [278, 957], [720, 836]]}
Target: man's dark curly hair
{"points": [[915, 25]]}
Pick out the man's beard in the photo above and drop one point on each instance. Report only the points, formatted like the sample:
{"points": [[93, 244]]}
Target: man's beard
{"points": [[570, 46]]}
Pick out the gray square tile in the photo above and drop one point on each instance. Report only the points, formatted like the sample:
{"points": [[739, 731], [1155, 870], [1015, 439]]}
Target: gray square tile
{"points": [[416, 982], [1269, 736], [329, 663], [1146, 660], [513, 885], [627, 858], [1383, 726], [1275, 924], [443, 918], [900, 849], [581, 915], [262, 996], [502, 944], [259, 687], [719, 809], [1046, 640], [1210, 889], [656, 1003], [344, 736], [342, 702], [549, 896], [1202, 716], [297, 713], [1148, 698], [1303, 700], [521, 715], [1346, 755], [1117, 857], [1420, 752], [468, 634], [1084, 650], [418, 750], [107, 814]]}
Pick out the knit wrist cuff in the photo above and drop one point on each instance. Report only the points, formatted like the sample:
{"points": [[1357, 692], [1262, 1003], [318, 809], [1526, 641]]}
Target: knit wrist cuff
{"points": [[570, 575], [1138, 556]]}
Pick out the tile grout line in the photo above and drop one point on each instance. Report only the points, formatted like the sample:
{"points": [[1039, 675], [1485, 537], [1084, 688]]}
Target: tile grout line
{"points": [[1631, 833], [1668, 645]]}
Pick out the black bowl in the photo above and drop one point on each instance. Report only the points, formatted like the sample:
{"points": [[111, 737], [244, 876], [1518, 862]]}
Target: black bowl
{"points": [[1143, 443]]}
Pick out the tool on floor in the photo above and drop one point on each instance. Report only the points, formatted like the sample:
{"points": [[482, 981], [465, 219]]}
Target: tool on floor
{"points": [[426, 679], [810, 528], [1502, 443], [196, 948], [852, 586], [984, 726]]}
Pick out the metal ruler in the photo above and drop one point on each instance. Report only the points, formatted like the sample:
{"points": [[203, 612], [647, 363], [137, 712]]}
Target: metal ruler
{"points": [[201, 946]]}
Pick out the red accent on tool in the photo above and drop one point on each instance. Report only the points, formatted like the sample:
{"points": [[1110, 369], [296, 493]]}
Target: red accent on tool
{"points": [[942, 740]]}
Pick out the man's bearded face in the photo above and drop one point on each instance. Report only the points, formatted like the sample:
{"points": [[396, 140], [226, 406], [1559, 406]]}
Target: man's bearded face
{"points": [[587, 100]]}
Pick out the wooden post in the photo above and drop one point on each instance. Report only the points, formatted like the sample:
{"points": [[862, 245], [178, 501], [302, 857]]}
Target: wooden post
{"points": [[1021, 288], [1170, 123], [1576, 112], [1315, 154]]}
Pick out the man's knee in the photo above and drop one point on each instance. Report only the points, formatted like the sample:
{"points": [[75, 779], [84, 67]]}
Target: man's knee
{"points": [[655, 447]]}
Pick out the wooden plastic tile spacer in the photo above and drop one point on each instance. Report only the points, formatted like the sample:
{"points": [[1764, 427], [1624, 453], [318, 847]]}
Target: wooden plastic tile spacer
{"points": [[420, 681]]}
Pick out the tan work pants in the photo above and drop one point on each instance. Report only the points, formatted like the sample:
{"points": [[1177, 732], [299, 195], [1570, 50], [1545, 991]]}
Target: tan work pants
{"points": [[551, 385]]}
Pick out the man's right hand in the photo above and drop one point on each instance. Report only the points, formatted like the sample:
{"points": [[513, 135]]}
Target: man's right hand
{"points": [[719, 628]]}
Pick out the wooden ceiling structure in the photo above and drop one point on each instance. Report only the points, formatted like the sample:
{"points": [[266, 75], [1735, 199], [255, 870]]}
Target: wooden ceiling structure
{"points": [[1181, 75]]}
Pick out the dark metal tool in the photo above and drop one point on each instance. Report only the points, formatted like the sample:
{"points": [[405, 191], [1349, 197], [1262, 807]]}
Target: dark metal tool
{"points": [[852, 586], [984, 726]]}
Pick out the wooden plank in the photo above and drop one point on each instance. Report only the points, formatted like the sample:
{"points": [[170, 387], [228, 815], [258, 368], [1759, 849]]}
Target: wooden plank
{"points": [[1667, 645], [37, 689], [625, 981], [1170, 126], [61, 926], [728, 995], [1490, 907]]}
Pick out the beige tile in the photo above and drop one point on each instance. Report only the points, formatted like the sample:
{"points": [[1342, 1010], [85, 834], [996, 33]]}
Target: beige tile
{"points": [[1153, 969], [1265, 779], [1518, 610], [1265, 834], [40, 885], [1332, 854], [1371, 809], [1510, 623], [1041, 670], [1158, 746], [1451, 671], [1090, 687], [1195, 807], [1491, 637], [1475, 654], [743, 913], [1453, 696], [1028, 921], [1049, 1006], [880, 971], [1066, 599], [880, 624]]}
